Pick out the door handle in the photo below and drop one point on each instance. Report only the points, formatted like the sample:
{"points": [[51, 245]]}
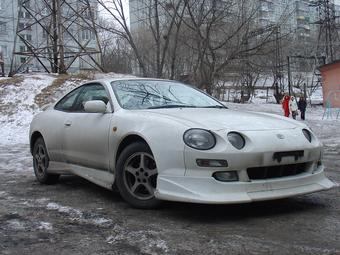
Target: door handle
{"points": [[68, 123]]}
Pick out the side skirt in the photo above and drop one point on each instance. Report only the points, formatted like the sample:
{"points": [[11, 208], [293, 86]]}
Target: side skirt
{"points": [[102, 178]]}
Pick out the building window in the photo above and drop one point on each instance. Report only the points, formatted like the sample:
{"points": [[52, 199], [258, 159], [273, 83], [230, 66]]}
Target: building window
{"points": [[44, 33], [2, 4], [24, 15], [88, 12], [3, 50], [21, 26], [22, 60], [86, 34], [29, 38], [2, 27]]}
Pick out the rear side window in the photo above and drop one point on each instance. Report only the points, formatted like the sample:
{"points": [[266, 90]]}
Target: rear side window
{"points": [[68, 101]]}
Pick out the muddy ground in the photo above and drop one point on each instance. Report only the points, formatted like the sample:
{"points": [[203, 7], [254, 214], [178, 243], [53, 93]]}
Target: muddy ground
{"points": [[77, 217]]}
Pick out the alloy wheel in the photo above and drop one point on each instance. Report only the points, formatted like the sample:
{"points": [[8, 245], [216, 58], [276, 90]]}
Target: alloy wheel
{"points": [[140, 175], [40, 160]]}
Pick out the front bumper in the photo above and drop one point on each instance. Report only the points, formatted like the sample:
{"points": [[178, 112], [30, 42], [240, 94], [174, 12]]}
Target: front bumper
{"points": [[198, 186], [207, 190]]}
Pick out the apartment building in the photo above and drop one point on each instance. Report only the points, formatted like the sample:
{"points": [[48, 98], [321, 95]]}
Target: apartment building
{"points": [[294, 16]]}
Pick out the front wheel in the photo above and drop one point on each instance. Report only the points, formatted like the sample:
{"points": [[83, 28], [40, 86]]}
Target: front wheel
{"points": [[40, 163], [136, 176]]}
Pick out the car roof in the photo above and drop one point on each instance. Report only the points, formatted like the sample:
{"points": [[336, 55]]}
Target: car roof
{"points": [[109, 80]]}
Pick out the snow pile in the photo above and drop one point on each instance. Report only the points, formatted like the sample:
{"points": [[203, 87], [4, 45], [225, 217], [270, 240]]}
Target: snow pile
{"points": [[19, 98]]}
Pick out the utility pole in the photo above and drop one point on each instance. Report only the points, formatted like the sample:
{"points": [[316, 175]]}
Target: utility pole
{"points": [[289, 77], [55, 37], [278, 63], [61, 66]]}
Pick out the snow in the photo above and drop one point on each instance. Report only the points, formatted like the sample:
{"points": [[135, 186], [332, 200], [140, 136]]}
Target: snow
{"points": [[112, 75], [20, 99], [24, 225], [79, 216], [74, 213], [148, 240], [16, 224], [45, 226]]}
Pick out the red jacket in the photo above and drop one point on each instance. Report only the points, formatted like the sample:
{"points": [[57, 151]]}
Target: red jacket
{"points": [[285, 103]]}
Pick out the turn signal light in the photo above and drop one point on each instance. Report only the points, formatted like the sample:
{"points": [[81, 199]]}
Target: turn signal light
{"points": [[211, 162]]}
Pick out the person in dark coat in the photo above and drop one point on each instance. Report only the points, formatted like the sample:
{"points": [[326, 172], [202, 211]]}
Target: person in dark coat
{"points": [[2, 65], [302, 105]]}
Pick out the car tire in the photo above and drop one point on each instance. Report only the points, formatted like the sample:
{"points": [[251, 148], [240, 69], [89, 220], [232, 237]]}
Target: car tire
{"points": [[136, 176], [41, 162]]}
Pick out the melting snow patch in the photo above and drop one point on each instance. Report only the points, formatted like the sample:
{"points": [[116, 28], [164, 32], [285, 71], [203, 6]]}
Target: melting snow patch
{"points": [[16, 224], [42, 200], [147, 240], [77, 215], [45, 226], [65, 209], [101, 221]]}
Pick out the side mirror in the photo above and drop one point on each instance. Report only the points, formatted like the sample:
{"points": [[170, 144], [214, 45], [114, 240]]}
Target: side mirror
{"points": [[95, 106]]}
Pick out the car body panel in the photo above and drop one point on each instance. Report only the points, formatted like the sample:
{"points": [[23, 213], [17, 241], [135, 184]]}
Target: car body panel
{"points": [[210, 191], [83, 144]]}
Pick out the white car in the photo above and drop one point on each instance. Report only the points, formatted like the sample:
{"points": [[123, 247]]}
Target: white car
{"points": [[163, 140]]}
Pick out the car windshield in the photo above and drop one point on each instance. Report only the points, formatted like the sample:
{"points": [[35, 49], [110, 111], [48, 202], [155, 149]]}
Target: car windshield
{"points": [[156, 94]]}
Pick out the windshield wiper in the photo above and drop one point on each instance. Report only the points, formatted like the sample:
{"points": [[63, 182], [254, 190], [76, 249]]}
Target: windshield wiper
{"points": [[171, 106], [215, 106]]}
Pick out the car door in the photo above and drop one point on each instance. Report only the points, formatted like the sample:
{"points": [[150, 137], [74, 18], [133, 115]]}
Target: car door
{"points": [[85, 140], [61, 110]]}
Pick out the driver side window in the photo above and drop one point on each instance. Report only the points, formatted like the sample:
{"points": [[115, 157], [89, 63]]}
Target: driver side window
{"points": [[91, 92], [68, 101]]}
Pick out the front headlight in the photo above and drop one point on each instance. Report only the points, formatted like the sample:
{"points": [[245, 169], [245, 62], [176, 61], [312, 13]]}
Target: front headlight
{"points": [[199, 139], [236, 140], [307, 134]]}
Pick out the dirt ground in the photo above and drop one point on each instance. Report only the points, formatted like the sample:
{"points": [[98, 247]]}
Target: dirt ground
{"points": [[77, 217]]}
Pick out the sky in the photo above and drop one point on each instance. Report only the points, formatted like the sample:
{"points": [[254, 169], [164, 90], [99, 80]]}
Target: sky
{"points": [[126, 8]]}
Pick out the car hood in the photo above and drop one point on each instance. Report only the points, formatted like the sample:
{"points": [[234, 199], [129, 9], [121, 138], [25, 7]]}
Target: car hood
{"points": [[216, 119]]}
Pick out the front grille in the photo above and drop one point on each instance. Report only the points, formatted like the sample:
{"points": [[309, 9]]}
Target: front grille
{"points": [[268, 172]]}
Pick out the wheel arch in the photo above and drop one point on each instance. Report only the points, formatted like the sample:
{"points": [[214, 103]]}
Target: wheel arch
{"points": [[34, 137], [126, 141]]}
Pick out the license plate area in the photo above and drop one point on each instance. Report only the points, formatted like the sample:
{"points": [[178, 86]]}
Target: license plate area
{"points": [[282, 154]]}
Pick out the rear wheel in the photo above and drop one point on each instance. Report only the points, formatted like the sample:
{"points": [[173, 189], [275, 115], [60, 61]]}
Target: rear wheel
{"points": [[136, 176], [41, 162]]}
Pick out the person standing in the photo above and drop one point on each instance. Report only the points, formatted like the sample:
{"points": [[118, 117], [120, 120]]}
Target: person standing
{"points": [[293, 108], [2, 65], [302, 105], [285, 105]]}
